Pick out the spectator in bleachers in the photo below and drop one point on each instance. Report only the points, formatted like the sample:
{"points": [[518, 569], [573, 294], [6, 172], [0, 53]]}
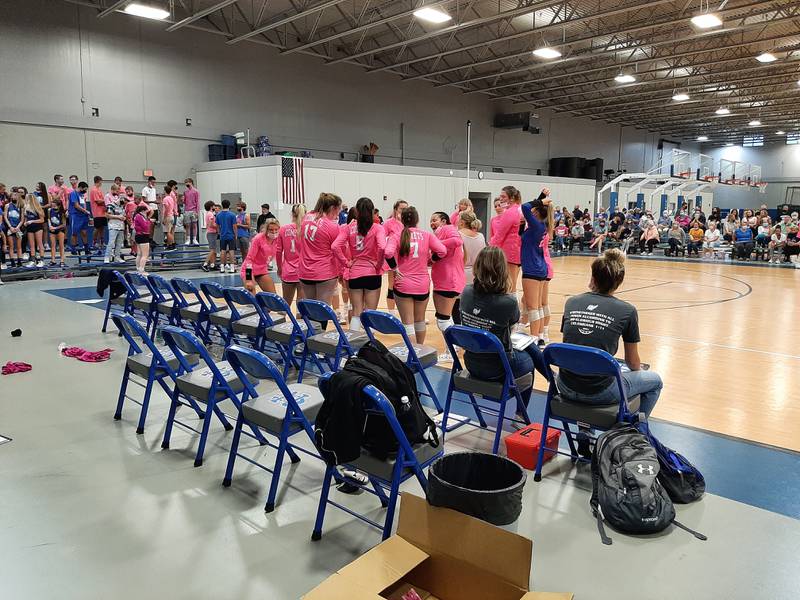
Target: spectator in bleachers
{"points": [[649, 238], [664, 223], [700, 217], [776, 244], [763, 233], [711, 239], [561, 231], [696, 235], [625, 236], [763, 214], [730, 225], [743, 239], [676, 238], [791, 250], [683, 220], [785, 223], [600, 233], [752, 222], [576, 235], [577, 213]]}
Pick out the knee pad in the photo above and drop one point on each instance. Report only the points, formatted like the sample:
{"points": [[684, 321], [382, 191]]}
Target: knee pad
{"points": [[420, 326], [443, 324], [409, 327], [390, 294], [534, 315], [546, 310]]}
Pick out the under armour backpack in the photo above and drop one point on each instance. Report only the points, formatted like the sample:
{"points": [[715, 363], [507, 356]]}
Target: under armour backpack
{"points": [[626, 492]]}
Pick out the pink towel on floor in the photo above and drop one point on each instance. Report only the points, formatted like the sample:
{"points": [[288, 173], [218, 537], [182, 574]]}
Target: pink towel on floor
{"points": [[87, 355], [15, 367]]}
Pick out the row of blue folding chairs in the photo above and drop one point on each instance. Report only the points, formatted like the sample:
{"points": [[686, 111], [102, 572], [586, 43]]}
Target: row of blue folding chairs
{"points": [[186, 371]]}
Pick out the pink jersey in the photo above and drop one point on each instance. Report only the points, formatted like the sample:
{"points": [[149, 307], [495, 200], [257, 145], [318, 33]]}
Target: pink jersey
{"points": [[59, 193], [414, 265], [211, 222], [454, 218], [447, 273], [97, 201], [545, 246], [170, 206], [287, 253], [392, 227], [365, 253], [317, 260], [130, 210], [262, 251], [506, 233]]}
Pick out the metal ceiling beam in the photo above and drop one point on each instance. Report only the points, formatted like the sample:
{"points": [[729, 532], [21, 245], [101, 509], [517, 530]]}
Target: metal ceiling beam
{"points": [[360, 28], [509, 14], [113, 8], [199, 15], [283, 21]]}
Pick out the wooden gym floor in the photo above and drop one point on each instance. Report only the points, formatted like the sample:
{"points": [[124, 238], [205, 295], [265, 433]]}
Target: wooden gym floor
{"points": [[724, 339]]}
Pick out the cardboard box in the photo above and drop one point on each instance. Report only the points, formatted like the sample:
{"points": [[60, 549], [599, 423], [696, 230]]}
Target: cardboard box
{"points": [[443, 555]]}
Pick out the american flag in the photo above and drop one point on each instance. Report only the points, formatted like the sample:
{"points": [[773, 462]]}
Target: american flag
{"points": [[292, 181]]}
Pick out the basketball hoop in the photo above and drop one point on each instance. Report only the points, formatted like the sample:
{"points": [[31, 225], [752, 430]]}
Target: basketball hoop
{"points": [[762, 187], [684, 174]]}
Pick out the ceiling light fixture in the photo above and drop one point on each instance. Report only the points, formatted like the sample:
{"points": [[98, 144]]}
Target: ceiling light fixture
{"points": [[147, 12], [766, 57], [754, 123], [722, 111], [702, 138], [680, 96], [706, 20], [780, 132], [432, 15], [546, 52], [624, 78], [729, 144]]}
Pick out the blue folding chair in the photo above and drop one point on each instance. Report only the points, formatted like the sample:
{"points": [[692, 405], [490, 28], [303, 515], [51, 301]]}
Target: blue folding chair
{"points": [[383, 475], [285, 412], [124, 302], [417, 357], [209, 383], [150, 362], [148, 301], [500, 391], [170, 307], [253, 326], [581, 360], [222, 318], [289, 334], [333, 345], [193, 307]]}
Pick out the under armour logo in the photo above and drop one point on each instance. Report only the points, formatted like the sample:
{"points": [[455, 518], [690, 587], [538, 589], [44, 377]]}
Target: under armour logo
{"points": [[592, 306], [642, 469]]}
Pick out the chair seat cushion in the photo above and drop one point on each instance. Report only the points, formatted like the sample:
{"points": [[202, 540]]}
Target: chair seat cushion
{"points": [[197, 384], [427, 355], [223, 316], [383, 468], [118, 301], [143, 303], [601, 415], [282, 332], [140, 363], [326, 342], [192, 312], [269, 409], [465, 382], [165, 308], [249, 325]]}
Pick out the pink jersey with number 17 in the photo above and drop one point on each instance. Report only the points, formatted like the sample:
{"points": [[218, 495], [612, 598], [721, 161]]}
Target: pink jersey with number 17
{"points": [[317, 260], [414, 266]]}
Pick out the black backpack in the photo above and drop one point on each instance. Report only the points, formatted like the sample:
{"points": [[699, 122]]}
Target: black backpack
{"points": [[396, 381], [682, 480], [626, 492]]}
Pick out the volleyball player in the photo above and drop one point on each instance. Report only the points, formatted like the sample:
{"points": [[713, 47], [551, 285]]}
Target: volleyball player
{"points": [[255, 266], [447, 273], [287, 254], [534, 267], [393, 226], [319, 266]]}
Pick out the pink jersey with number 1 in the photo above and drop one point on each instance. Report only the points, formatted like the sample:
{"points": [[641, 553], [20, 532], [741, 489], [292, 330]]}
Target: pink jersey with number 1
{"points": [[287, 253], [414, 265]]}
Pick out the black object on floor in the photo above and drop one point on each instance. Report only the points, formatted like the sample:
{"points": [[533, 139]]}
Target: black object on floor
{"points": [[16, 333]]}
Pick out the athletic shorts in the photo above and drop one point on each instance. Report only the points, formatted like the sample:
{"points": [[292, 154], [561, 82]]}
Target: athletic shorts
{"points": [[213, 241], [535, 277], [142, 238], [100, 222], [229, 244], [447, 294], [33, 227], [370, 282], [189, 217], [415, 297], [79, 223]]}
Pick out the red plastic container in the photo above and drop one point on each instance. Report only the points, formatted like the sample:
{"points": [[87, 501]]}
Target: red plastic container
{"points": [[523, 446]]}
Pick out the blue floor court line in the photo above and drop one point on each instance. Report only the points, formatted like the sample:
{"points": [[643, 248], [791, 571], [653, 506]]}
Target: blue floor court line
{"points": [[737, 469]]}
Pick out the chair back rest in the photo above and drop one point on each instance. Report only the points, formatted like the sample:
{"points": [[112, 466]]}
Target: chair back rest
{"points": [[133, 333], [251, 364], [213, 291], [235, 298], [184, 288], [130, 291], [183, 342], [139, 283], [162, 289], [316, 310], [583, 360], [476, 340], [270, 302], [382, 322]]}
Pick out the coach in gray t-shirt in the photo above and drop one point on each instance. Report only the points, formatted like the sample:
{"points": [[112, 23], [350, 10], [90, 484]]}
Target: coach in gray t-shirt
{"points": [[598, 319]]}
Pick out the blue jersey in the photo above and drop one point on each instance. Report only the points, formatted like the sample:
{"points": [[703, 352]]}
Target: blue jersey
{"points": [[225, 221], [77, 199], [31, 216], [241, 231], [13, 215], [532, 255], [54, 218]]}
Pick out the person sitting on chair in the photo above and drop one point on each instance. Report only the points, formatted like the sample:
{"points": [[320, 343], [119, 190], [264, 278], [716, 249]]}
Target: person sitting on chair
{"points": [[743, 240], [597, 319], [489, 304], [676, 240]]}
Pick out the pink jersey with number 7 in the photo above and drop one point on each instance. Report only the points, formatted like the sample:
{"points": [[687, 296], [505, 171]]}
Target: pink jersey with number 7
{"points": [[414, 265]]}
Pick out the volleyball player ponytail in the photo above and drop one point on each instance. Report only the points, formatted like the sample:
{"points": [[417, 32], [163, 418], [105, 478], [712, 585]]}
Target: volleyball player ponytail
{"points": [[409, 218], [364, 215], [298, 212]]}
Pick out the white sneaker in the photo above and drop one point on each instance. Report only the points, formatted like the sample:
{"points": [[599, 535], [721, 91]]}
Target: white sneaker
{"points": [[40, 263], [231, 269], [106, 260], [25, 256], [520, 328], [445, 357], [30, 263]]}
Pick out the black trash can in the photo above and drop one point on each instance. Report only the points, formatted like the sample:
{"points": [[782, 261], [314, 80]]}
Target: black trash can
{"points": [[481, 485]]}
